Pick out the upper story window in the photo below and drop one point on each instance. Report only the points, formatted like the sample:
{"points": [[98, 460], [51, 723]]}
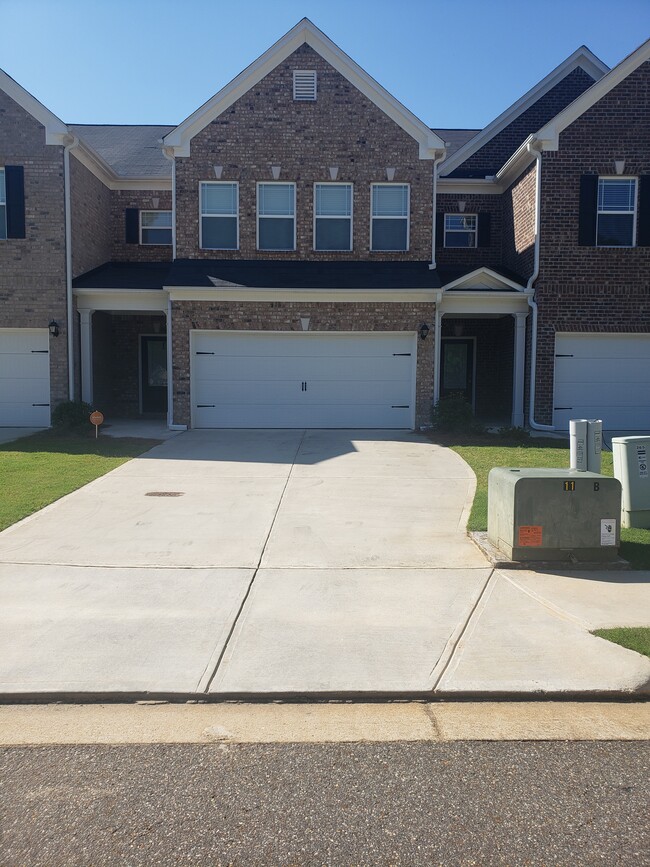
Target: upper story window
{"points": [[3, 206], [156, 227], [276, 216], [219, 215], [390, 217], [616, 212], [333, 217], [461, 230], [304, 84]]}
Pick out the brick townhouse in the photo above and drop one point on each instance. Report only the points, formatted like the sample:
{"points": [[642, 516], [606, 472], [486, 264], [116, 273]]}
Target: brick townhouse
{"points": [[302, 251]]}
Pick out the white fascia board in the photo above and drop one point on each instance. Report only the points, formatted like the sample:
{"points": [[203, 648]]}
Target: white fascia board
{"points": [[581, 58], [431, 145], [340, 296], [469, 186], [485, 302], [55, 129], [117, 300], [486, 274], [549, 135], [518, 163], [103, 172]]}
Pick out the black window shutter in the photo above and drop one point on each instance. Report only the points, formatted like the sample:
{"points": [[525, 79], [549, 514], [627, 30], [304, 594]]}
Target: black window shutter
{"points": [[483, 239], [643, 216], [588, 209], [132, 226], [15, 191], [440, 229]]}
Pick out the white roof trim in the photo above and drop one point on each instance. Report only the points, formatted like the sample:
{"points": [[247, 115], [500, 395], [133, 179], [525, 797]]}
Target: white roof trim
{"points": [[431, 145], [549, 135], [483, 278], [469, 187], [395, 296], [581, 58], [55, 129]]}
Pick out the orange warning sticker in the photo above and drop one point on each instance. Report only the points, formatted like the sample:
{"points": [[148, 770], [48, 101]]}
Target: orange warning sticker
{"points": [[530, 537]]}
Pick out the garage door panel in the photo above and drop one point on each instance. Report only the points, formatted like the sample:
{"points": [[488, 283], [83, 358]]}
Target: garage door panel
{"points": [[24, 377], [603, 376], [24, 391], [306, 380]]}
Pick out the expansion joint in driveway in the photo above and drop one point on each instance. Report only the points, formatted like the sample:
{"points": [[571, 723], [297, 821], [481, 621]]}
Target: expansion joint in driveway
{"points": [[206, 674]]}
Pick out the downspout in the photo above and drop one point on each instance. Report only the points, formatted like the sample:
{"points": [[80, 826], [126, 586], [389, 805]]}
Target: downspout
{"points": [[530, 285], [436, 163], [71, 141], [169, 154]]}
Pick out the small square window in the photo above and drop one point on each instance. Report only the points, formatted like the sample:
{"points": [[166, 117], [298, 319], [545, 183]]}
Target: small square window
{"points": [[304, 85], [276, 216], [3, 206], [460, 230], [219, 215], [390, 217], [616, 216], [156, 228], [333, 217]]}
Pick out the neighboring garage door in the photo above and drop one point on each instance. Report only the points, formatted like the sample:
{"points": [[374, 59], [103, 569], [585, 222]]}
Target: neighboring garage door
{"points": [[257, 380], [24, 377], [603, 376]]}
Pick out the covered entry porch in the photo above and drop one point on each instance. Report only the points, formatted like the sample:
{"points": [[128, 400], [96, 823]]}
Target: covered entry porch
{"points": [[481, 345]]}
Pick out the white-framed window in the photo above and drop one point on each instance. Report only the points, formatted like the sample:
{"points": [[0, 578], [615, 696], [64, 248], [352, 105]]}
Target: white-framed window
{"points": [[3, 206], [389, 228], [276, 216], [332, 216], [156, 228], [461, 230], [304, 85], [219, 215], [616, 215]]}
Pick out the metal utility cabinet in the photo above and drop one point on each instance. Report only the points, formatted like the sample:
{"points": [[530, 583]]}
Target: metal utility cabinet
{"points": [[557, 515], [632, 469]]}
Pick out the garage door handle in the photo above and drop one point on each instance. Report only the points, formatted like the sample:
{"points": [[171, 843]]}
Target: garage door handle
{"points": [[401, 353], [40, 404], [205, 406], [562, 407], [45, 351], [205, 353], [401, 406], [563, 356]]}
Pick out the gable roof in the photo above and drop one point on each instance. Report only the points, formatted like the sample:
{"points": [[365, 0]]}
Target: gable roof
{"points": [[455, 138], [431, 145], [582, 58], [55, 129], [131, 151], [481, 279], [549, 135]]}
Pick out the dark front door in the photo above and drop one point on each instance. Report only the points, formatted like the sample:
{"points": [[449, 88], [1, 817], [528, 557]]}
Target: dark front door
{"points": [[153, 372], [457, 368]]}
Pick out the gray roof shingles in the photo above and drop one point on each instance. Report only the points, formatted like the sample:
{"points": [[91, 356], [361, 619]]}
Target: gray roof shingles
{"points": [[131, 151]]}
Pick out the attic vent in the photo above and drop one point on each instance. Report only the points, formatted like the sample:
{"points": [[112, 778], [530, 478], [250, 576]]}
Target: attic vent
{"points": [[304, 84]]}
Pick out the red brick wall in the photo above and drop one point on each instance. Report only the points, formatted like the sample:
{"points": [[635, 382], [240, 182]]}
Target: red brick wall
{"points": [[285, 316], [472, 257], [518, 237], [341, 128], [90, 210], [143, 201], [32, 269]]}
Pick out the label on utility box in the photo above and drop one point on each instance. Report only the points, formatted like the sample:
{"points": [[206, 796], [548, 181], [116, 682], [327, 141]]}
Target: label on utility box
{"points": [[642, 458], [608, 531], [530, 537]]}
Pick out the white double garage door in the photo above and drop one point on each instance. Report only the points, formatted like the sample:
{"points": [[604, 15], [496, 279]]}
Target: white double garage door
{"points": [[24, 377], [604, 376], [303, 379]]}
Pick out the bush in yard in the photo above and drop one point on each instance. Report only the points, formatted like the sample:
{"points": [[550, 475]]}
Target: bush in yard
{"points": [[453, 413], [71, 414]]}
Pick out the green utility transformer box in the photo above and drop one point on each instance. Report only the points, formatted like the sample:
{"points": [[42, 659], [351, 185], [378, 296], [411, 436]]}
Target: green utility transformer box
{"points": [[558, 515]]}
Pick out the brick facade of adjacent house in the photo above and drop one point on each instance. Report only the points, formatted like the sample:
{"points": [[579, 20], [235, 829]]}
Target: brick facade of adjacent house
{"points": [[143, 200]]}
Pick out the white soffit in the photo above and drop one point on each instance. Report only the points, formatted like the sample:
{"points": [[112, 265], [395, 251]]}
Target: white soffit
{"points": [[549, 135], [582, 58], [483, 278], [55, 129], [431, 145]]}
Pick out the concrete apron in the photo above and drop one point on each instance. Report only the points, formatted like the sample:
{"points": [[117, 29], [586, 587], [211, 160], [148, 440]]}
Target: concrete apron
{"points": [[284, 564]]}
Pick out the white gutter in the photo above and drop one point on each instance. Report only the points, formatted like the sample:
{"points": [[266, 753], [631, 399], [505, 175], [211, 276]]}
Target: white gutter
{"points": [[436, 163], [533, 305], [72, 142]]}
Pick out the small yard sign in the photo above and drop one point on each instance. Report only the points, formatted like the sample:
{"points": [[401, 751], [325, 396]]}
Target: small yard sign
{"points": [[96, 418]]}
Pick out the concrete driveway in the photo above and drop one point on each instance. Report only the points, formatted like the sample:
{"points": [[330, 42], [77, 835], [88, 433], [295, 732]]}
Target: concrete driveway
{"points": [[276, 563]]}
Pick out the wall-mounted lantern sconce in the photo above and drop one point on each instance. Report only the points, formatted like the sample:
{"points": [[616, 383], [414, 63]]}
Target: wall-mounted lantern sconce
{"points": [[218, 171], [423, 331], [275, 171], [619, 166], [54, 328], [390, 174], [334, 172], [461, 207]]}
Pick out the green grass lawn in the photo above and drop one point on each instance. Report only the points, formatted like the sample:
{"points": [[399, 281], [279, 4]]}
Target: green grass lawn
{"points": [[485, 451], [38, 469], [633, 637]]}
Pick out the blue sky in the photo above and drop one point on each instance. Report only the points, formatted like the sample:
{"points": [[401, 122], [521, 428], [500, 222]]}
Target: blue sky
{"points": [[454, 64]]}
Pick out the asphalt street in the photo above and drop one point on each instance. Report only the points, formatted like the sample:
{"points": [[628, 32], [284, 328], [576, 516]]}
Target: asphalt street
{"points": [[462, 803]]}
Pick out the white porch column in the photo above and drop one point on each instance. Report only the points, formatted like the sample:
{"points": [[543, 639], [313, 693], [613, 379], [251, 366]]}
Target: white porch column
{"points": [[86, 317], [518, 369]]}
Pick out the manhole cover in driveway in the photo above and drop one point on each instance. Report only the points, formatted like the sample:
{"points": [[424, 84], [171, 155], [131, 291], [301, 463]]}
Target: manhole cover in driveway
{"points": [[164, 493]]}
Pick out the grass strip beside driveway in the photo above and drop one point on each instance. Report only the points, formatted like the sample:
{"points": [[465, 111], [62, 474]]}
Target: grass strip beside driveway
{"points": [[632, 637], [486, 451], [39, 469]]}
